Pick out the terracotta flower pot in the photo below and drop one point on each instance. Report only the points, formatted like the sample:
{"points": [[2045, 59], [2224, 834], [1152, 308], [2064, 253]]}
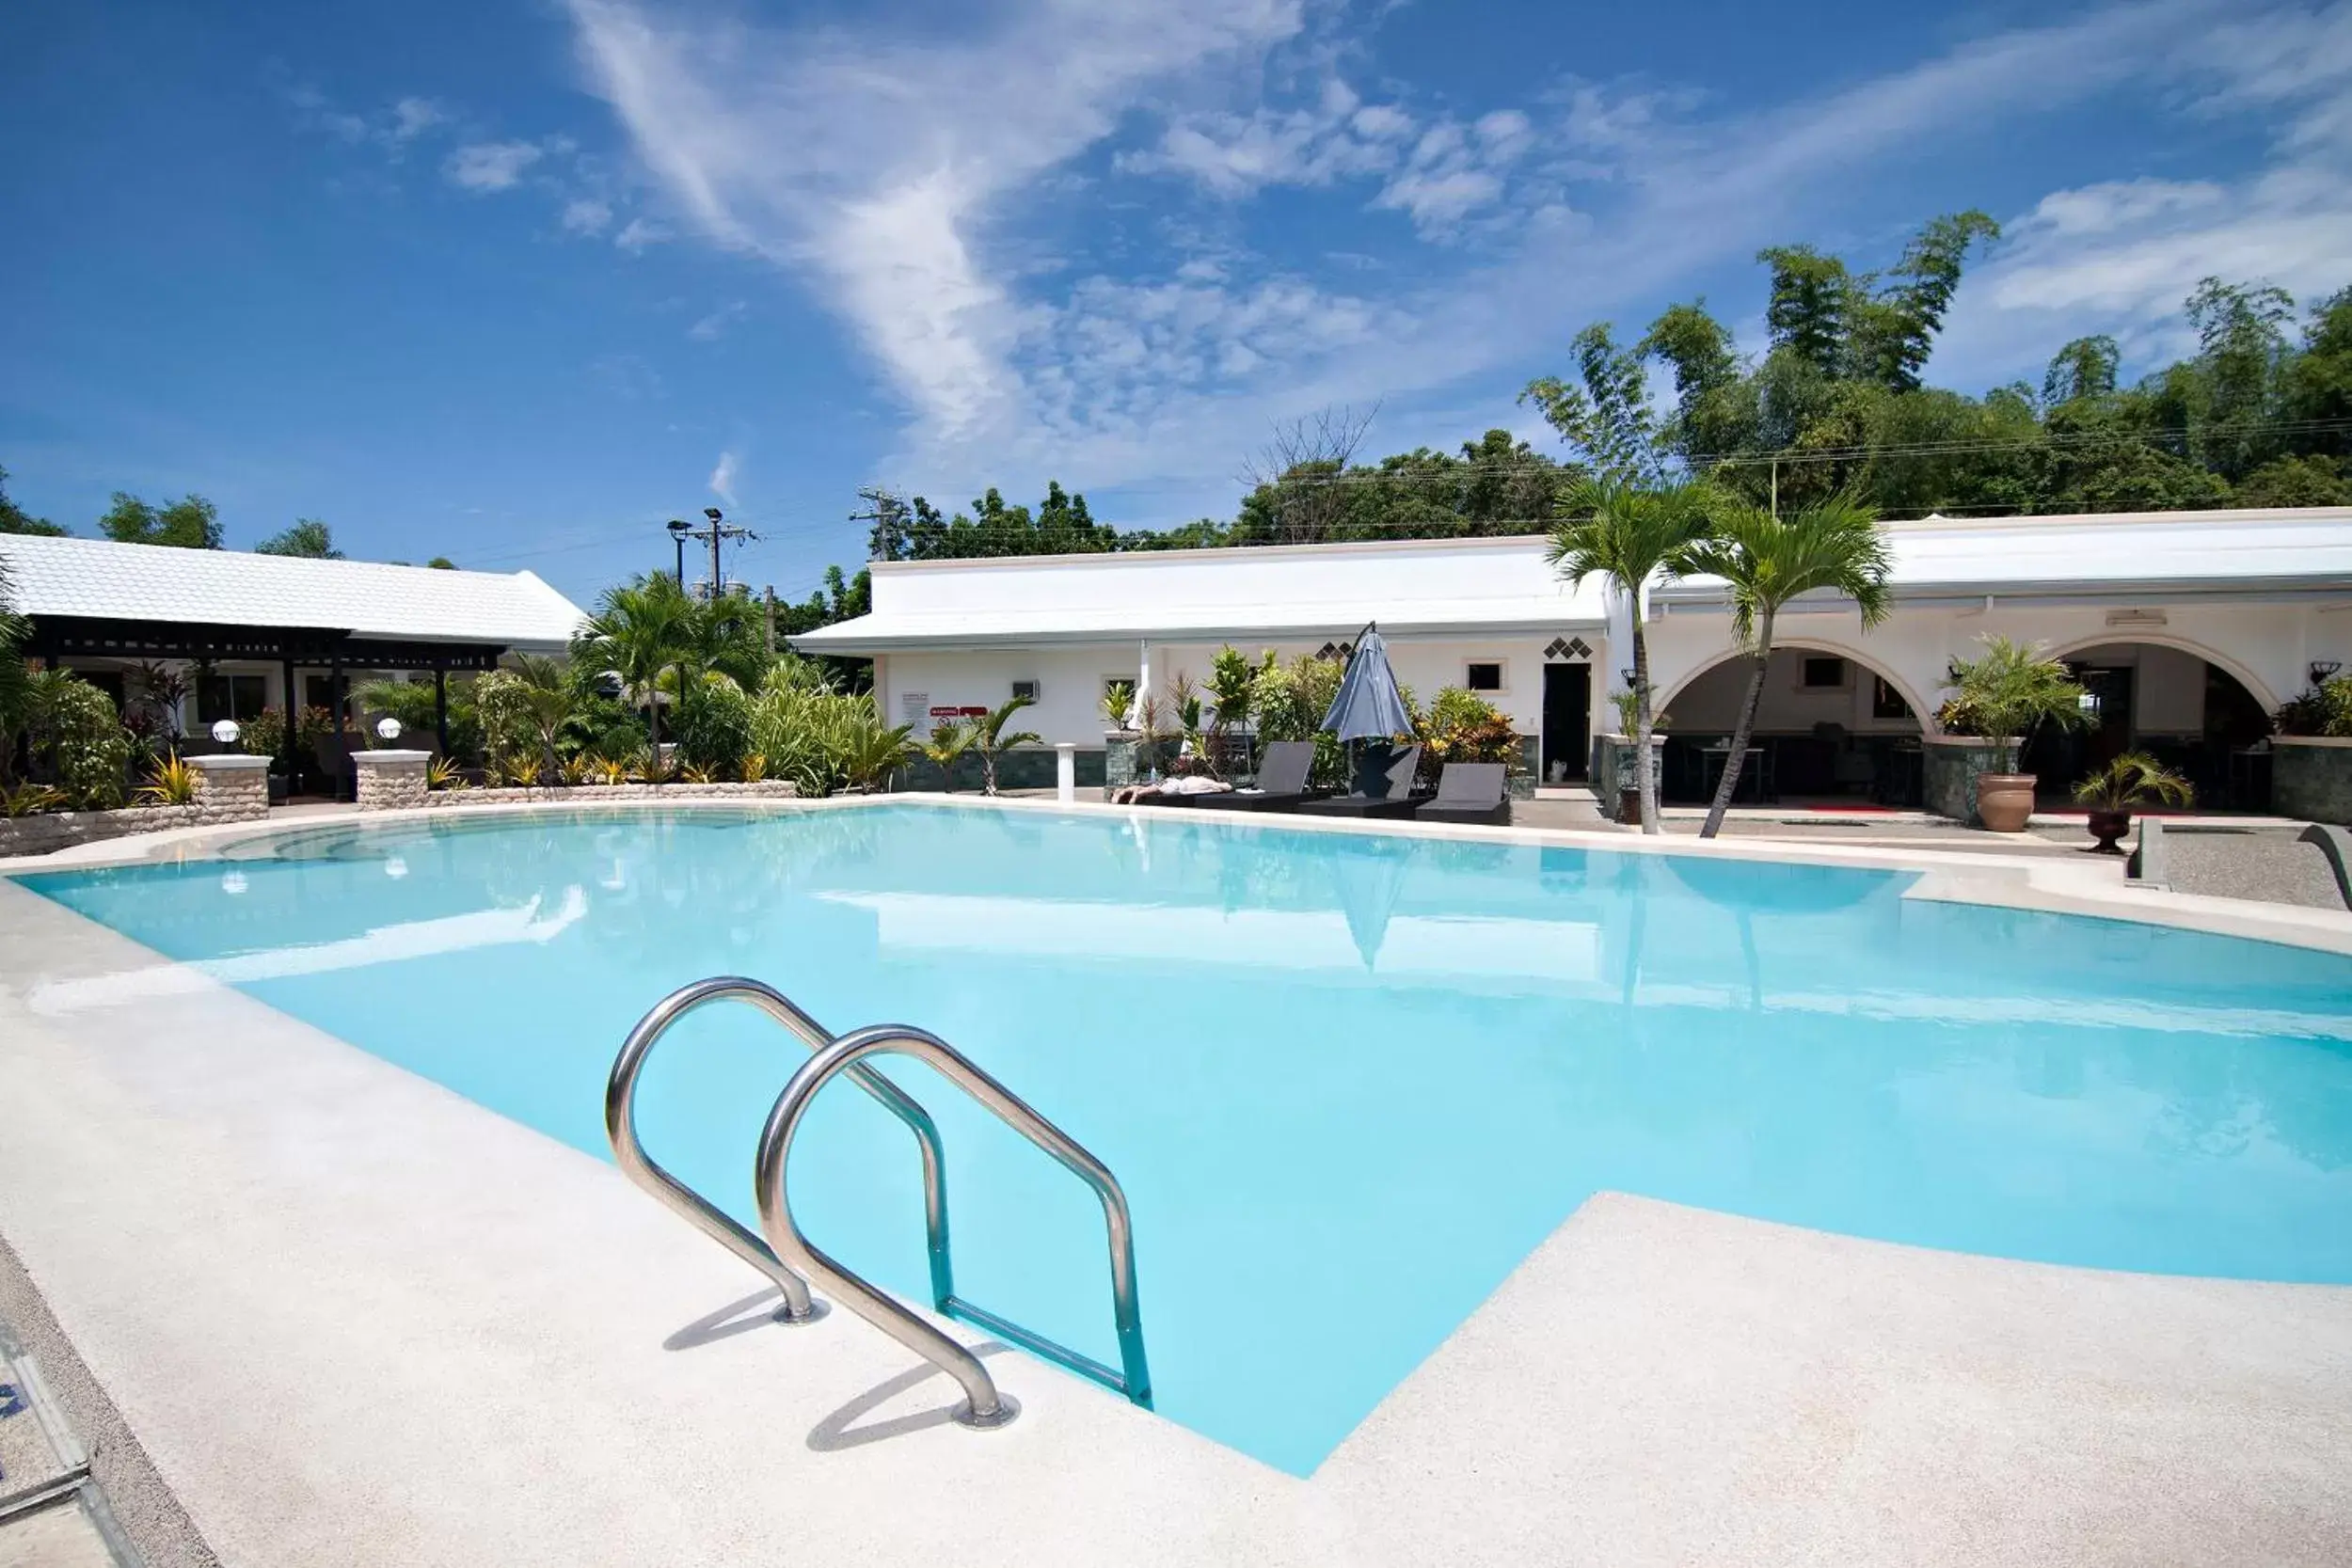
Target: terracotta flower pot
{"points": [[2004, 801], [2106, 827]]}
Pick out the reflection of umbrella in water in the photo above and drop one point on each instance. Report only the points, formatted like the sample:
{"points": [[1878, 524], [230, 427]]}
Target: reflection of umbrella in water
{"points": [[1368, 877]]}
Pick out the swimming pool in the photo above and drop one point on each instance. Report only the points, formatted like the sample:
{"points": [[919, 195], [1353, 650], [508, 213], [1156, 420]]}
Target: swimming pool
{"points": [[1348, 1081]]}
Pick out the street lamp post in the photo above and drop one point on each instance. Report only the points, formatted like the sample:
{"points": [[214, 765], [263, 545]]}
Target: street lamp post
{"points": [[679, 529]]}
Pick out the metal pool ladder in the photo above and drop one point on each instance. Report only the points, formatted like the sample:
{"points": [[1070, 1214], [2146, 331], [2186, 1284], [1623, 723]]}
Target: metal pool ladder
{"points": [[791, 1259]]}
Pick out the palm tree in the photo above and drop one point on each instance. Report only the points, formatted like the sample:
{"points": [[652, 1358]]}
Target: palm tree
{"points": [[988, 738], [1630, 533], [546, 699], [948, 741], [1833, 546], [15, 682], [640, 629]]}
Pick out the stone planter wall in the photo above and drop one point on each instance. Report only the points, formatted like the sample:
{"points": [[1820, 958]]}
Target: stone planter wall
{"points": [[767, 789], [60, 830], [230, 787], [389, 781], [1949, 772], [2311, 777]]}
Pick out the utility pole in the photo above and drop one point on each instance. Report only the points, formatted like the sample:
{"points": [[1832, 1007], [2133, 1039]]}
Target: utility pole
{"points": [[717, 533], [771, 620]]}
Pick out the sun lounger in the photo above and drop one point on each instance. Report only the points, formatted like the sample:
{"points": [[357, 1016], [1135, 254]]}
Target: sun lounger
{"points": [[1468, 792], [1281, 781], [1384, 788]]}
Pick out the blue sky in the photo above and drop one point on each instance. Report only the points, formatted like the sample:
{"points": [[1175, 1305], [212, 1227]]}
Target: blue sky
{"points": [[514, 282]]}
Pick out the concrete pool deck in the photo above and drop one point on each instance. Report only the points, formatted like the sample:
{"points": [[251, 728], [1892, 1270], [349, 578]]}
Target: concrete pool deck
{"points": [[354, 1318]]}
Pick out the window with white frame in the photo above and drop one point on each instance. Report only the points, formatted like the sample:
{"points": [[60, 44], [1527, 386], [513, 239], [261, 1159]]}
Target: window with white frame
{"points": [[1482, 674]]}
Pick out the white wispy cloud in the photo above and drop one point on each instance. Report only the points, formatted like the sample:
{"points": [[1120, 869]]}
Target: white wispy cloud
{"points": [[497, 165], [865, 163], [412, 117], [640, 232], [2119, 257], [710, 329], [723, 477], [587, 214]]}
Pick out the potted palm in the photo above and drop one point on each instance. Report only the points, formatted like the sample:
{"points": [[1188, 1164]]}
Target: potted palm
{"points": [[2123, 783], [2002, 694]]}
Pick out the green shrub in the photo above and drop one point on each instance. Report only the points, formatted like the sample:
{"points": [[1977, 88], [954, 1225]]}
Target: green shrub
{"points": [[1289, 701], [1462, 726], [78, 739], [715, 729], [2325, 709]]}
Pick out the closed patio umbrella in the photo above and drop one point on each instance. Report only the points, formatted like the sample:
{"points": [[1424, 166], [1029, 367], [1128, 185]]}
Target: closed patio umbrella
{"points": [[1369, 705]]}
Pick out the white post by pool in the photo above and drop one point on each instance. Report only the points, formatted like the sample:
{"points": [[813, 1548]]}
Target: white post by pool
{"points": [[1143, 684], [1065, 771]]}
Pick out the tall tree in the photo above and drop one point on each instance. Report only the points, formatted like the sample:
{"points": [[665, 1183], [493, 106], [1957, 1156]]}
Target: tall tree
{"points": [[1767, 560], [1895, 324], [641, 629], [1629, 534], [15, 519], [308, 538], [1605, 416], [2083, 369], [2241, 346], [189, 523]]}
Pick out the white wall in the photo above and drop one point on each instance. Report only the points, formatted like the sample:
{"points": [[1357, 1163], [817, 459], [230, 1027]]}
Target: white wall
{"points": [[1068, 708]]}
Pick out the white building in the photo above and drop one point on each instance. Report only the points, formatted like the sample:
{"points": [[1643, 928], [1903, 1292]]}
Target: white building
{"points": [[255, 631], [2190, 627]]}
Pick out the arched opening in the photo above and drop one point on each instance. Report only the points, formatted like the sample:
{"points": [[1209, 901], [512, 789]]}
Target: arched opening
{"points": [[2172, 702], [1831, 731]]}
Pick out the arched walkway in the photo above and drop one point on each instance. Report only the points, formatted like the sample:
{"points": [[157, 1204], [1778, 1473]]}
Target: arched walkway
{"points": [[1832, 728], [2172, 699]]}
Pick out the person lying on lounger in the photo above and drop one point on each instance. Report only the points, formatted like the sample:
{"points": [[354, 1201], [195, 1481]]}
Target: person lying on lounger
{"points": [[1186, 776]]}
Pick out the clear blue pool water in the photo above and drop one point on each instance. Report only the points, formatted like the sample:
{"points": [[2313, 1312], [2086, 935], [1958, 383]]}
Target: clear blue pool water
{"points": [[1349, 1082]]}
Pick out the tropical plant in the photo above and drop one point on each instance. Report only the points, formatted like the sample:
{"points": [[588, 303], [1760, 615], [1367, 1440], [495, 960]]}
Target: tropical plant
{"points": [[442, 773], [1833, 546], [541, 698], [14, 675], [2011, 687], [1119, 702], [640, 629], [265, 734], [694, 772], [714, 730], [867, 751], [573, 771], [1462, 726], [25, 800], [173, 783], [1192, 713], [163, 694], [1289, 701], [948, 742], [1627, 703], [2130, 779], [989, 739], [753, 767], [312, 725], [2324, 709], [1630, 533], [77, 738], [651, 765], [519, 769]]}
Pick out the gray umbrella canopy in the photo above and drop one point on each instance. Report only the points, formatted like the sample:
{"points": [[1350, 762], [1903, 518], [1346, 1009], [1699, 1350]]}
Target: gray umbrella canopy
{"points": [[1369, 705]]}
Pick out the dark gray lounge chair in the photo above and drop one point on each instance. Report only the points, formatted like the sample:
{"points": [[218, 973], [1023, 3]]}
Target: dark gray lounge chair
{"points": [[1281, 781], [1384, 787], [1468, 792]]}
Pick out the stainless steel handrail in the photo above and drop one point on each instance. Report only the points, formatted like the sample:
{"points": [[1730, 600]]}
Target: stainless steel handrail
{"points": [[629, 1151], [983, 1406]]}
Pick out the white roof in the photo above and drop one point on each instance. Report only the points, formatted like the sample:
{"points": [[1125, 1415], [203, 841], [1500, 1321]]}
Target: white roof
{"points": [[1417, 587], [2154, 555], [1443, 586], [103, 580]]}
